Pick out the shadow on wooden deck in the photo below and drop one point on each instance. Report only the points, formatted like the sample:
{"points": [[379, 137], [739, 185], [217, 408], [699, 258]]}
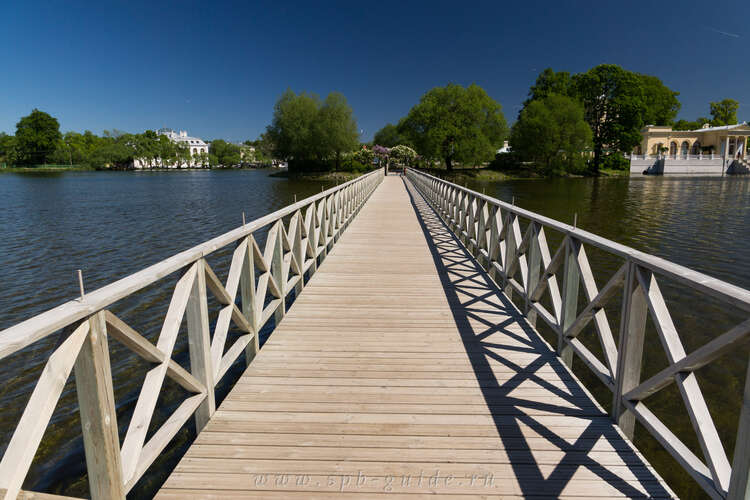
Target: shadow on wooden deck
{"points": [[492, 329]]}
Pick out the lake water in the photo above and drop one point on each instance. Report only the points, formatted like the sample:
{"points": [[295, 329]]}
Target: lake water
{"points": [[110, 224]]}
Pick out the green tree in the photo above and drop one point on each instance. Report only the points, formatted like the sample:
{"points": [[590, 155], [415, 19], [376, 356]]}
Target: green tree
{"points": [[226, 153], [550, 82], [291, 131], [37, 137], [335, 129], [7, 149], [388, 136], [614, 106], [690, 125], [552, 132], [724, 112], [454, 123], [660, 103]]}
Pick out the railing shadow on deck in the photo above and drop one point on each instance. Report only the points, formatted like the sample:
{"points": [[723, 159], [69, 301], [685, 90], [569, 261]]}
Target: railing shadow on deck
{"points": [[463, 278]]}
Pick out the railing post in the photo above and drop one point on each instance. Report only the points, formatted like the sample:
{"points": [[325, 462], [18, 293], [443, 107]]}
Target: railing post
{"points": [[199, 344], [96, 401], [739, 484], [277, 271], [571, 280], [510, 254], [247, 292], [493, 252], [630, 357], [534, 260], [299, 254]]}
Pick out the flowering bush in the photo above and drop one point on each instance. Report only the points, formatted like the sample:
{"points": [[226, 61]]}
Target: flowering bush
{"points": [[363, 156], [403, 154], [381, 150]]}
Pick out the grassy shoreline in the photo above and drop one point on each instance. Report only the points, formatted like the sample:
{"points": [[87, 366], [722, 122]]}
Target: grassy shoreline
{"points": [[318, 176], [483, 174], [47, 169]]}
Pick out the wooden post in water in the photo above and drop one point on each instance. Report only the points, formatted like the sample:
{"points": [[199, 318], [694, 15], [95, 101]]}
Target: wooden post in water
{"points": [[199, 344], [632, 334], [96, 403]]}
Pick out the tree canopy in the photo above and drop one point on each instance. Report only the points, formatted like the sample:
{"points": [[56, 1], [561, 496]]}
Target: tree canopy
{"points": [[456, 123], [552, 133], [724, 112], [335, 129], [306, 131], [617, 103], [37, 136], [614, 106], [389, 136], [550, 82], [690, 125], [224, 153]]}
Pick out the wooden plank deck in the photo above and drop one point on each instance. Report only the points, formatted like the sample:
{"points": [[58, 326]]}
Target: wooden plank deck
{"points": [[402, 371]]}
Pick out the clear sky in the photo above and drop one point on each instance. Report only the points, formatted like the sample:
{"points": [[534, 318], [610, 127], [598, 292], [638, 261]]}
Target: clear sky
{"points": [[216, 68]]}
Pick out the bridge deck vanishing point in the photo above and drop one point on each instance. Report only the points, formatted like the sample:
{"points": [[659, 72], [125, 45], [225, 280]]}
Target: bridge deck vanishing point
{"points": [[402, 370]]}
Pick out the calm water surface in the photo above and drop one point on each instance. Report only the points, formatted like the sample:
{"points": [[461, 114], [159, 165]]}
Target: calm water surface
{"points": [[110, 224]]}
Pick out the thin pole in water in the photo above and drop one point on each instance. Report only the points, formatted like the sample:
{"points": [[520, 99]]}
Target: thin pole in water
{"points": [[80, 284], [295, 197], [575, 220], [243, 219], [513, 201]]}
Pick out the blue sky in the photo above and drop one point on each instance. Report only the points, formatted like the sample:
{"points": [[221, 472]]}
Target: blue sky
{"points": [[216, 68]]}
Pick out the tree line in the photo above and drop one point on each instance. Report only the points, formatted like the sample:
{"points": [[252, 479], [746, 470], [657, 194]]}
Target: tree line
{"points": [[38, 141]]}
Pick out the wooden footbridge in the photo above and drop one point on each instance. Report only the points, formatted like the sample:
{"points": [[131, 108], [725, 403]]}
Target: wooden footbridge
{"points": [[398, 365]]}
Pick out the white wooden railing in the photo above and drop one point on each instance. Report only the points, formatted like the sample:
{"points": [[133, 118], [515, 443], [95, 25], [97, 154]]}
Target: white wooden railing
{"points": [[291, 250], [522, 263]]}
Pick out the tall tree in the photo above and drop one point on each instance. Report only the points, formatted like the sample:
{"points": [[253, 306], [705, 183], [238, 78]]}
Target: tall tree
{"points": [[660, 103], [335, 129], [37, 137], [388, 136], [291, 130], [551, 132], [456, 124], [550, 82], [724, 112], [614, 106]]}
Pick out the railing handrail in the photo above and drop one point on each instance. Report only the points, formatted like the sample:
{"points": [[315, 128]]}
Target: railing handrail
{"points": [[714, 286], [491, 230], [31, 330]]}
